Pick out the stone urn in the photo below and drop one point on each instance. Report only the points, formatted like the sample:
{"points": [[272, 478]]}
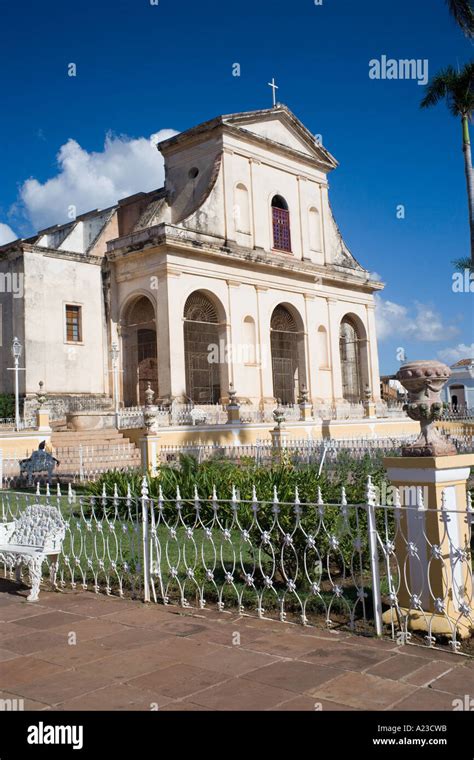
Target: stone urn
{"points": [[279, 415], [149, 412], [41, 395], [424, 380]]}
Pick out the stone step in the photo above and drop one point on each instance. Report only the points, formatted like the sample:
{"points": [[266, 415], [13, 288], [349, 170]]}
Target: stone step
{"points": [[73, 445], [101, 450], [87, 434], [67, 441]]}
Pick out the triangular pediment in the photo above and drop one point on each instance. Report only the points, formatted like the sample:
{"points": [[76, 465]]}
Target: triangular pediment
{"points": [[280, 126]]}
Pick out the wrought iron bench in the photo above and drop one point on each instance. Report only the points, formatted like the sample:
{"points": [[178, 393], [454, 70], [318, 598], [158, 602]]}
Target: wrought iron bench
{"points": [[40, 461], [36, 535]]}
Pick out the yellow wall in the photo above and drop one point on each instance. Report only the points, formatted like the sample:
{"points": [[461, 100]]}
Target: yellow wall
{"points": [[21, 445]]}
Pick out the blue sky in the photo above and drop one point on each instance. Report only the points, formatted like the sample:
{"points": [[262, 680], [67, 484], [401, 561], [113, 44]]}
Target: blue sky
{"points": [[145, 68]]}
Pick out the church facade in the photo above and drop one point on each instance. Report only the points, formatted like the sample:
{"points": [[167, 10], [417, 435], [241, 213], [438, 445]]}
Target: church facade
{"points": [[234, 273]]}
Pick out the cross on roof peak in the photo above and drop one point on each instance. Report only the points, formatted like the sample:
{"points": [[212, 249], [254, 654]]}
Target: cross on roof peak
{"points": [[274, 87]]}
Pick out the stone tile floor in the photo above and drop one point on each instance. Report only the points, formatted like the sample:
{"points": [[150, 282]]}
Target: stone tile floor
{"points": [[131, 656]]}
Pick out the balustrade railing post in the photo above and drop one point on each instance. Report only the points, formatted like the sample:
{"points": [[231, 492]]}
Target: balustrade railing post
{"points": [[145, 541], [374, 557], [81, 464]]}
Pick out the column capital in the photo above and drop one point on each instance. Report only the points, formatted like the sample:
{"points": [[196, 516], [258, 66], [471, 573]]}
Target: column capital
{"points": [[168, 270]]}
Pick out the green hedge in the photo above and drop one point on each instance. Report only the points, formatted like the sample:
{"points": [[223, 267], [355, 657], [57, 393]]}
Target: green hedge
{"points": [[7, 405]]}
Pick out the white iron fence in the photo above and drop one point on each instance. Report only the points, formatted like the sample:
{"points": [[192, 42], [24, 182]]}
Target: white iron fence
{"points": [[178, 414], [8, 423], [301, 452], [457, 413], [77, 463], [337, 565], [103, 546]]}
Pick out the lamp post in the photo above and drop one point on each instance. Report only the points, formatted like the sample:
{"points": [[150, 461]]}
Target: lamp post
{"points": [[114, 352], [17, 349]]}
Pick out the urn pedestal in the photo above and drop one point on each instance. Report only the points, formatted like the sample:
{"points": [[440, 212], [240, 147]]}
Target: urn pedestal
{"points": [[432, 544], [432, 554]]}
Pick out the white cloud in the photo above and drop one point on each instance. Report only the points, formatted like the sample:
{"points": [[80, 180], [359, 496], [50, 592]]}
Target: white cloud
{"points": [[94, 180], [6, 234], [461, 351], [422, 323]]}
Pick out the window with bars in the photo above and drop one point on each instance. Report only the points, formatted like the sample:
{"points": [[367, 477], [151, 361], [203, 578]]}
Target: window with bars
{"points": [[349, 348], [73, 323], [281, 224]]}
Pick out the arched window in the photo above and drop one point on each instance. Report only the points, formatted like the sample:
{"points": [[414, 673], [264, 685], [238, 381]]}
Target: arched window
{"points": [[202, 349], [287, 347], [323, 353], [350, 352], [242, 209], [314, 230], [250, 341], [281, 224]]}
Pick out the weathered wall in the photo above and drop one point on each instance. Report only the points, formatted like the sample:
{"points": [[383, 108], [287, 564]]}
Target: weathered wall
{"points": [[51, 283], [249, 434]]}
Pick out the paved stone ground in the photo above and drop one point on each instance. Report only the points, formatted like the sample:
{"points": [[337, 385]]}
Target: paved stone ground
{"points": [[131, 656]]}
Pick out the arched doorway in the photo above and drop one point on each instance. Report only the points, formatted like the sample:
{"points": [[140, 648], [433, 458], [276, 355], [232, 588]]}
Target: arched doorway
{"points": [[354, 361], [140, 360], [458, 395], [204, 350], [288, 361]]}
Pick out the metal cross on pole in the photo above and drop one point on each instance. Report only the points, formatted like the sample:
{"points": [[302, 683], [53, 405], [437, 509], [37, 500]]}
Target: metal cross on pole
{"points": [[274, 89]]}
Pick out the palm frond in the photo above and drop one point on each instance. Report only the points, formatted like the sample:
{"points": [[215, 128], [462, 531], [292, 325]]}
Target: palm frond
{"points": [[439, 86], [457, 88], [463, 14]]}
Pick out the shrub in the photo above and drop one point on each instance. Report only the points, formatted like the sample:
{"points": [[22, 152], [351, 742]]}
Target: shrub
{"points": [[287, 480], [7, 405]]}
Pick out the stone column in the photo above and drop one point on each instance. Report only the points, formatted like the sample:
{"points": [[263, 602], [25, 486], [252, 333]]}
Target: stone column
{"points": [[170, 333], [432, 517], [263, 329], [372, 353], [335, 360], [311, 347]]}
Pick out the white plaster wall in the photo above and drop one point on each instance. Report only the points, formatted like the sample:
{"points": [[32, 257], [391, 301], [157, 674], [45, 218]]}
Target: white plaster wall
{"points": [[184, 192], [242, 291], [50, 283], [265, 174]]}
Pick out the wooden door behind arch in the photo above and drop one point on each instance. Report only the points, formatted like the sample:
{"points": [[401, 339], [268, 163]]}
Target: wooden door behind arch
{"points": [[147, 363]]}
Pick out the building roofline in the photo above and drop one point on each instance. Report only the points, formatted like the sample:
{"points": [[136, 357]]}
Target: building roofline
{"points": [[237, 121]]}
